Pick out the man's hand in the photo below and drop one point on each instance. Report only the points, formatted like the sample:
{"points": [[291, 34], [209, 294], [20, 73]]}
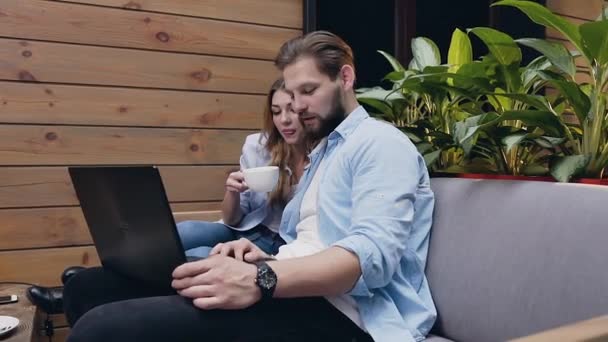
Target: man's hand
{"points": [[241, 249], [218, 282]]}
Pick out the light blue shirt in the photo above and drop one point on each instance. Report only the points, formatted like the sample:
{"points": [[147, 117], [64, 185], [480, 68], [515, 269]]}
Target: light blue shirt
{"points": [[375, 201], [254, 205]]}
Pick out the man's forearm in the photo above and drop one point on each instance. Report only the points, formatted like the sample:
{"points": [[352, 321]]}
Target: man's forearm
{"points": [[333, 271]]}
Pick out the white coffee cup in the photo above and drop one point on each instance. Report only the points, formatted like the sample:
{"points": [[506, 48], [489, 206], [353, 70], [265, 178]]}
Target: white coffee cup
{"points": [[262, 179]]}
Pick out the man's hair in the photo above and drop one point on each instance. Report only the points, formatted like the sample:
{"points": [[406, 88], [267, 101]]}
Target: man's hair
{"points": [[329, 51]]}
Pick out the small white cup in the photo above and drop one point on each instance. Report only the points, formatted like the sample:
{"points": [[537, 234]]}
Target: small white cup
{"points": [[262, 179]]}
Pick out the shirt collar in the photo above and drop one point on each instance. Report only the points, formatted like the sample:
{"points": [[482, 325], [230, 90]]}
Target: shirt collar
{"points": [[350, 123], [318, 149]]}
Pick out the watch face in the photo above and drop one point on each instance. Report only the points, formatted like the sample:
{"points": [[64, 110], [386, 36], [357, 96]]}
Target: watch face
{"points": [[266, 277]]}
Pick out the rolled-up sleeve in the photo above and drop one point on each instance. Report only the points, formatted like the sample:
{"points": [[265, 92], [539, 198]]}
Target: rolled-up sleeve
{"points": [[385, 176]]}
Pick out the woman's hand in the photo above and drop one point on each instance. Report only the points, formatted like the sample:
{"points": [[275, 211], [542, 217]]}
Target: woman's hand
{"points": [[236, 182], [241, 249]]}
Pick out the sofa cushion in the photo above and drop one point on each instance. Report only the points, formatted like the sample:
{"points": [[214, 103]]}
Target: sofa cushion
{"points": [[510, 258]]}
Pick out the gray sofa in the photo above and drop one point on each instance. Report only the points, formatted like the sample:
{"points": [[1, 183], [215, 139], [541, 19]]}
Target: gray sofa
{"points": [[511, 258]]}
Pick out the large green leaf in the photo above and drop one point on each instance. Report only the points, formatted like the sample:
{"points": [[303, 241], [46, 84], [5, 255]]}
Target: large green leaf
{"points": [[555, 52], [398, 77], [470, 94], [536, 101], [380, 106], [548, 142], [378, 93], [564, 168], [511, 76], [500, 103], [435, 69], [423, 147], [500, 44], [395, 76], [595, 39], [459, 79], [393, 61], [543, 16], [472, 108], [547, 121], [461, 51], [426, 53], [474, 69], [431, 157], [572, 92], [513, 140], [517, 138], [529, 74], [464, 130], [412, 133]]}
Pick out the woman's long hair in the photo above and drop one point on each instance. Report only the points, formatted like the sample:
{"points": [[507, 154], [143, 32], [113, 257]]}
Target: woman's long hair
{"points": [[281, 153]]}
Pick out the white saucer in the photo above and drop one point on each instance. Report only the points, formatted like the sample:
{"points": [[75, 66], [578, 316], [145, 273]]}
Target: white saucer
{"points": [[7, 324]]}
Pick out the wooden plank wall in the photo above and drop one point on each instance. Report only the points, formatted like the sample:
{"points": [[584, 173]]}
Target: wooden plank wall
{"points": [[176, 83]]}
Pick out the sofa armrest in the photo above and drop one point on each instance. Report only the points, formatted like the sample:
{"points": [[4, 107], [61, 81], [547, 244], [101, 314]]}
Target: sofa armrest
{"points": [[592, 330]]}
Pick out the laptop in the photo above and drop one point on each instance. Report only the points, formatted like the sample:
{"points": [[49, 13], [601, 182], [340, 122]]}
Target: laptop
{"points": [[130, 221]]}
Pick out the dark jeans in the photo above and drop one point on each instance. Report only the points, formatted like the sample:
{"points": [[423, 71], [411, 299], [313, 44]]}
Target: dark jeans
{"points": [[103, 306]]}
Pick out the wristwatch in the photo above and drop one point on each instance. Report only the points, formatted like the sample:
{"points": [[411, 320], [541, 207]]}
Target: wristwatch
{"points": [[265, 279]]}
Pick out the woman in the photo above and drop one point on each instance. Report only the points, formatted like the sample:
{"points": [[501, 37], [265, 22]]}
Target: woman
{"points": [[252, 215]]}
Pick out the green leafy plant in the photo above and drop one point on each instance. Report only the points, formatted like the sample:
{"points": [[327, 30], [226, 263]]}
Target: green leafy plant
{"points": [[520, 131], [491, 115], [587, 155], [472, 116], [424, 102]]}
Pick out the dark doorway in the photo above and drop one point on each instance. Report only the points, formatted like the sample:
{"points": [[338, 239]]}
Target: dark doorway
{"points": [[367, 27], [390, 25]]}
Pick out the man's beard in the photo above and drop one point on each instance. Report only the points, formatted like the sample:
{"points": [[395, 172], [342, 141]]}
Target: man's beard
{"points": [[334, 118]]}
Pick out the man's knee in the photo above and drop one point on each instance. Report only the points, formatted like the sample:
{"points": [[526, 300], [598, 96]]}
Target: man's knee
{"points": [[78, 285], [95, 325], [79, 291]]}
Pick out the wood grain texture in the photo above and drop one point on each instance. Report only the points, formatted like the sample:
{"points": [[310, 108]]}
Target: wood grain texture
{"points": [[44, 266], [584, 9], [59, 320], [77, 105], [66, 226], [52, 186], [24, 310], [286, 13], [65, 63], [46, 227], [61, 335], [582, 76], [591, 330], [94, 25], [175, 83], [69, 145]]}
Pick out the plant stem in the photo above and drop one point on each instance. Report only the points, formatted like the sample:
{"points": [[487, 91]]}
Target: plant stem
{"points": [[595, 124]]}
